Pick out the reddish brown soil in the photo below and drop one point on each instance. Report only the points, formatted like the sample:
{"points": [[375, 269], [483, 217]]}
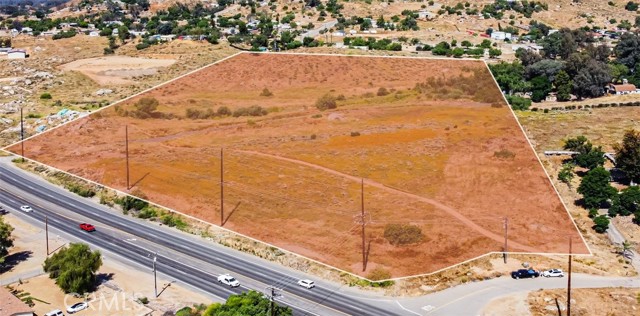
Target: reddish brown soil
{"points": [[449, 158]]}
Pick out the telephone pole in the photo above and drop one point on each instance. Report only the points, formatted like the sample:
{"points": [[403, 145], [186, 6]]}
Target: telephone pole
{"points": [[22, 135], [126, 149], [364, 255], [506, 228], [46, 232], [569, 281], [221, 188], [361, 219], [155, 280], [272, 300]]}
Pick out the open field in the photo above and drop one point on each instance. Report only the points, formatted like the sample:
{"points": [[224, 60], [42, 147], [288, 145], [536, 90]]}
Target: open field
{"points": [[110, 70], [433, 141]]}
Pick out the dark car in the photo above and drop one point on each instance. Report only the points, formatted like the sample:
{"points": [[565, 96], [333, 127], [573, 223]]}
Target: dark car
{"points": [[3, 211], [87, 227], [524, 273]]}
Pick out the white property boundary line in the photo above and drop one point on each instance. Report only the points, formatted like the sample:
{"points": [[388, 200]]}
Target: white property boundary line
{"points": [[285, 250]]}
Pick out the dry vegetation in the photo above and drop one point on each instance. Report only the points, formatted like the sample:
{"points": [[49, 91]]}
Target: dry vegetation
{"points": [[586, 302], [432, 148]]}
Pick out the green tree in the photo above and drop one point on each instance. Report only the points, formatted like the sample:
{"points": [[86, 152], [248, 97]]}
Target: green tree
{"points": [[494, 52], [510, 76], [563, 86], [566, 173], [595, 188], [457, 52], [627, 202], [601, 224], [6, 241], [628, 155], [588, 156], [540, 88], [247, 303], [74, 268], [618, 71], [628, 50]]}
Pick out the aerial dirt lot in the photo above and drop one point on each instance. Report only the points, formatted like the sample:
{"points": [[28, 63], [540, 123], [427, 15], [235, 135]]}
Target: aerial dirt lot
{"points": [[438, 150], [111, 70], [610, 301], [120, 285]]}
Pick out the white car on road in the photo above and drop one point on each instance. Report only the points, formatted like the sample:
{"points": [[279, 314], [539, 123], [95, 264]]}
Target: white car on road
{"points": [[26, 208], [553, 273], [228, 280], [307, 283], [77, 307]]}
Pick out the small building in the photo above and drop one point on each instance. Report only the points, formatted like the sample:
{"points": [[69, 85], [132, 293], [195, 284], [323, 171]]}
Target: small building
{"points": [[13, 306], [620, 89], [500, 36], [94, 33], [426, 15], [17, 54]]}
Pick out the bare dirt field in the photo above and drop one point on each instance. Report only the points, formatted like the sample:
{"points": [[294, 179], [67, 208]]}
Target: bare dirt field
{"points": [[110, 70], [437, 149], [610, 301]]}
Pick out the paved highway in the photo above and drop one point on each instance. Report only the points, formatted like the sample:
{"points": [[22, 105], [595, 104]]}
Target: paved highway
{"points": [[192, 261]]}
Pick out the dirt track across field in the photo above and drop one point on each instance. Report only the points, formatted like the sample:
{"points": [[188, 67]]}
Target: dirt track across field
{"points": [[111, 70], [433, 140]]}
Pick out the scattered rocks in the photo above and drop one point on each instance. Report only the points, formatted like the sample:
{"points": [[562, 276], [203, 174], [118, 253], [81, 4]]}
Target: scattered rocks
{"points": [[104, 92]]}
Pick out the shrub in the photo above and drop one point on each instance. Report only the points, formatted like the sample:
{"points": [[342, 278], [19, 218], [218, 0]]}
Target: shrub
{"points": [[128, 203], [254, 110], [326, 102], [354, 134], [266, 93], [223, 111], [143, 300], [601, 224], [174, 221], [81, 190], [45, 96], [402, 234], [147, 212], [593, 212], [142, 46], [382, 92], [504, 154]]}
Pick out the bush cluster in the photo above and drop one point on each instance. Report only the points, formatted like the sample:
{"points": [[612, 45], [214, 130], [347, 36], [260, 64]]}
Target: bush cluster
{"points": [[403, 234]]}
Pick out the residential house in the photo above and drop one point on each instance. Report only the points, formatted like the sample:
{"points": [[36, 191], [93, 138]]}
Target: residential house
{"points": [[13, 306], [17, 54], [5, 50], [94, 33], [624, 88]]}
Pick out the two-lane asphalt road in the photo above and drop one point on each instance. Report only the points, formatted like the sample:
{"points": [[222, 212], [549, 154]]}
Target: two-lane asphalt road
{"points": [[18, 188]]}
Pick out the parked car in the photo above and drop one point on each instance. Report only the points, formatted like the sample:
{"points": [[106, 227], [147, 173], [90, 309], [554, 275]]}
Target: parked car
{"points": [[553, 273], [56, 312], [228, 280], [87, 227], [26, 208], [77, 307], [307, 283], [524, 274]]}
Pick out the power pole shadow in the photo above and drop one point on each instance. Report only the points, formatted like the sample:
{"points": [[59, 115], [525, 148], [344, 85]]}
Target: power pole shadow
{"points": [[230, 214]]}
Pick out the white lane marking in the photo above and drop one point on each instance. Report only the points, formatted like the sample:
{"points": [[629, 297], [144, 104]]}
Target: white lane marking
{"points": [[407, 310]]}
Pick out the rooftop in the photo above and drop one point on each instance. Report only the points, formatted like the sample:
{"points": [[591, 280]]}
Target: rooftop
{"points": [[12, 305]]}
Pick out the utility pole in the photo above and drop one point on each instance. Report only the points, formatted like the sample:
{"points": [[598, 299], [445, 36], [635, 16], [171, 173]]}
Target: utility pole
{"points": [[506, 228], [126, 149], [272, 300], [46, 232], [155, 280], [364, 255], [569, 281], [22, 135], [221, 188]]}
